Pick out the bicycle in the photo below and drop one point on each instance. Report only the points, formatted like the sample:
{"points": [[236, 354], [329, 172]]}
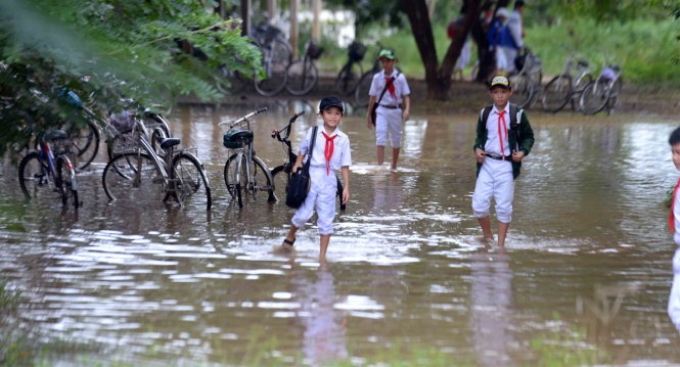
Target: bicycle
{"points": [[244, 173], [527, 83], [122, 136], [350, 73], [48, 170], [567, 86], [604, 91], [140, 173], [303, 76], [281, 174], [276, 56], [364, 86]]}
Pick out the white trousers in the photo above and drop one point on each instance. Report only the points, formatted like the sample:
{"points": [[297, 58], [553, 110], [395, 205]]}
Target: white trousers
{"points": [[674, 298], [388, 123], [494, 181], [321, 198]]}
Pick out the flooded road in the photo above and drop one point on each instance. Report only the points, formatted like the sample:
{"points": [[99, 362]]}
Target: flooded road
{"points": [[586, 272]]}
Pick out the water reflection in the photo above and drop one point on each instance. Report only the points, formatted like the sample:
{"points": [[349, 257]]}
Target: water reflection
{"points": [[164, 282], [491, 297], [324, 327]]}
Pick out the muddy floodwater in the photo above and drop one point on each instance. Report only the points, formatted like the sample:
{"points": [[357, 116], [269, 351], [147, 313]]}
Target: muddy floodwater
{"points": [[586, 271]]}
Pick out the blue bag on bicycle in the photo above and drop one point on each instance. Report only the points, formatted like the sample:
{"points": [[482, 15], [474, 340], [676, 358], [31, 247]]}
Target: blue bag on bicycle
{"points": [[300, 182]]}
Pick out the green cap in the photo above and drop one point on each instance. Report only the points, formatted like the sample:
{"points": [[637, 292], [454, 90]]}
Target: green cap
{"points": [[387, 53]]}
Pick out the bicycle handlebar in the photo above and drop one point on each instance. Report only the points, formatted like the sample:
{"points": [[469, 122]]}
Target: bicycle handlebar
{"points": [[276, 134], [243, 118]]}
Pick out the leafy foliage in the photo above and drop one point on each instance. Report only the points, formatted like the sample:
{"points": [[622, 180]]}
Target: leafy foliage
{"points": [[151, 51]]}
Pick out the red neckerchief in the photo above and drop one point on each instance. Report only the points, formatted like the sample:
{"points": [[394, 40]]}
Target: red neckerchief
{"points": [[390, 88], [328, 150], [502, 128]]}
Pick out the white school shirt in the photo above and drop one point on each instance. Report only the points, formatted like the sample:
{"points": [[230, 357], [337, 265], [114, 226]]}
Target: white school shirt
{"points": [[342, 155], [493, 144], [401, 88]]}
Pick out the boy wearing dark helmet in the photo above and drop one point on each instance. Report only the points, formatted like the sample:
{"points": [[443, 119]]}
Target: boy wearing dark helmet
{"points": [[331, 154]]}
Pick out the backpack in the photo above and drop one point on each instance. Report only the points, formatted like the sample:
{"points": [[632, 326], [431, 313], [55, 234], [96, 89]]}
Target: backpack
{"points": [[514, 111]]}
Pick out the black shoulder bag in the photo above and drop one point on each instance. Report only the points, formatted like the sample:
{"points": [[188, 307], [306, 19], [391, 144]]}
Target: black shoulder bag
{"points": [[300, 181], [377, 103]]}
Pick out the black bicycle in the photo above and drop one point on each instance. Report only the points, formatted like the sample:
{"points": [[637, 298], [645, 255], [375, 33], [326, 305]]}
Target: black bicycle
{"points": [[281, 174], [348, 77], [303, 76], [364, 86]]}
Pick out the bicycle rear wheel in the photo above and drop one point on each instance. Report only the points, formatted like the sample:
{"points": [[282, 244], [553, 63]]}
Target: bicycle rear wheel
{"points": [[192, 184], [86, 143], [133, 178], [362, 89], [348, 77], [67, 180], [34, 177], [280, 178], [235, 176], [523, 90], [556, 93], [594, 97], [303, 77]]}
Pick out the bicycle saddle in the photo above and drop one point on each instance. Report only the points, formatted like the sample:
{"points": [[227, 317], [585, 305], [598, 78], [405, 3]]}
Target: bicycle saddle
{"points": [[56, 135], [169, 142]]}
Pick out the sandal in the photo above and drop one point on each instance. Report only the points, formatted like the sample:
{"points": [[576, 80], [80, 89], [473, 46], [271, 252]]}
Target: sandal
{"points": [[283, 249]]}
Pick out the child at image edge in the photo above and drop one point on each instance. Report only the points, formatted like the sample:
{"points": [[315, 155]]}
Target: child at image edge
{"points": [[331, 154], [394, 107], [674, 224], [499, 149]]}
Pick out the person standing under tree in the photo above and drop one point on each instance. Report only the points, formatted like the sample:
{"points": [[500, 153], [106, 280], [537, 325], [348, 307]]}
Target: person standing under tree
{"points": [[504, 138], [394, 103]]}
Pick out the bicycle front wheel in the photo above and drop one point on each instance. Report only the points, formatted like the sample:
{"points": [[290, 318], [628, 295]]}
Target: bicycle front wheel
{"points": [[67, 180], [280, 178], [348, 77], [235, 176], [192, 184], [594, 97], [556, 93], [362, 89], [275, 59], [34, 177], [85, 140], [133, 178], [523, 90], [303, 77]]}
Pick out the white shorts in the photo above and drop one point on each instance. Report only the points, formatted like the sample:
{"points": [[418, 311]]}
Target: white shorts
{"points": [[388, 124], [321, 198], [494, 181]]}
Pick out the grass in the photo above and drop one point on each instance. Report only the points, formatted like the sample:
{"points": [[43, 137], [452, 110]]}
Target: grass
{"points": [[646, 49]]}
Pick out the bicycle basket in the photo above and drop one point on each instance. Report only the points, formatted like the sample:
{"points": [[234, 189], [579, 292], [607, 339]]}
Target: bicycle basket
{"points": [[356, 51], [314, 51], [123, 121], [235, 139]]}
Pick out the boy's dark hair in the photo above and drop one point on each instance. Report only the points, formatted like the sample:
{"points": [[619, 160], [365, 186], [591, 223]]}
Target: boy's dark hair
{"points": [[675, 137]]}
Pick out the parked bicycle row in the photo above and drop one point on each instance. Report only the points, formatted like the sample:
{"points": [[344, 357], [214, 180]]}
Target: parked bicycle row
{"points": [[576, 85], [146, 163]]}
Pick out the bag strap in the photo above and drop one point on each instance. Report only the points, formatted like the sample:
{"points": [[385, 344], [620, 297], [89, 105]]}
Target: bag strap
{"points": [[387, 85], [315, 129], [514, 112]]}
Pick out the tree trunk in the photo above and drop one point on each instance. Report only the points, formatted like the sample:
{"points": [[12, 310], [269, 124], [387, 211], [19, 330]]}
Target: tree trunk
{"points": [[438, 79], [418, 16]]}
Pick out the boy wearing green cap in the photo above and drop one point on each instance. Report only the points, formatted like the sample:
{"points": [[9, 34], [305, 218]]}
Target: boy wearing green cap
{"points": [[389, 92]]}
